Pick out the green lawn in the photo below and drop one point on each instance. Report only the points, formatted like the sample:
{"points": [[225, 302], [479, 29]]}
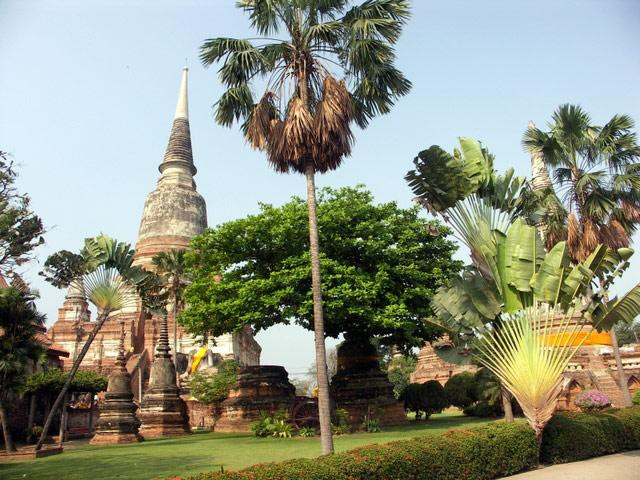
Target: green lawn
{"points": [[202, 452]]}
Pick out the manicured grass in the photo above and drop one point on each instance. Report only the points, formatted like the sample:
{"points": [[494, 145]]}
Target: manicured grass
{"points": [[203, 452]]}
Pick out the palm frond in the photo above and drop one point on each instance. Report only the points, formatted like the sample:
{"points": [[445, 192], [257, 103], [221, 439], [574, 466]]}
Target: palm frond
{"points": [[528, 353], [107, 290], [264, 14], [234, 104], [378, 19]]}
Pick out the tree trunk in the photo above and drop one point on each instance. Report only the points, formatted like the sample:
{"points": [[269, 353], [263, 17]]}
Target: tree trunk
{"points": [[175, 337], [8, 441], [63, 420], [324, 407], [32, 415], [622, 378], [91, 413], [65, 388], [506, 405]]}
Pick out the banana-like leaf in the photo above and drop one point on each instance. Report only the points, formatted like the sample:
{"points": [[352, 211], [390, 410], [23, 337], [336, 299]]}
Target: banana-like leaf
{"points": [[524, 254], [438, 179], [547, 282], [622, 310], [477, 165], [453, 355], [510, 298], [104, 250]]}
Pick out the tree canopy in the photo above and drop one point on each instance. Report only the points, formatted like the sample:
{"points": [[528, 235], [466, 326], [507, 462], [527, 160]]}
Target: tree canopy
{"points": [[51, 381], [381, 264], [20, 229]]}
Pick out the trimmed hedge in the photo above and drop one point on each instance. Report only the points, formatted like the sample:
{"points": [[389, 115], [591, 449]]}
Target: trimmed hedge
{"points": [[490, 451], [575, 436]]}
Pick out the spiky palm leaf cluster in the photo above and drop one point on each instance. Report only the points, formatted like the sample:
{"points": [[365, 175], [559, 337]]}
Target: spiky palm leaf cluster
{"points": [[335, 66], [596, 174], [527, 363]]}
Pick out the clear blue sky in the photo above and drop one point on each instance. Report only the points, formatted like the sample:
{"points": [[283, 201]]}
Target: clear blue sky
{"points": [[88, 90]]}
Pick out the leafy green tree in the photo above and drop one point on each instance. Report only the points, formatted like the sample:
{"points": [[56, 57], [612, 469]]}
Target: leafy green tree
{"points": [[19, 348], [214, 388], [425, 398], [20, 229], [399, 373], [382, 266], [171, 267], [628, 333], [461, 389], [597, 171], [334, 66], [104, 272]]}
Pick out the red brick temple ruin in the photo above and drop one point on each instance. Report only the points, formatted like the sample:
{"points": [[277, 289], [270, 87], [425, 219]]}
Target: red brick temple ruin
{"points": [[173, 213]]}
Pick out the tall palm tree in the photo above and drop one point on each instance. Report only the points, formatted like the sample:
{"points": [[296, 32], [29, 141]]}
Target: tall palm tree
{"points": [[596, 177], [104, 273], [171, 267], [333, 66], [595, 196], [19, 347]]}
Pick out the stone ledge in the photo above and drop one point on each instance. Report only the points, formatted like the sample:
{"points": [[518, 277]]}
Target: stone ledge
{"points": [[27, 453]]}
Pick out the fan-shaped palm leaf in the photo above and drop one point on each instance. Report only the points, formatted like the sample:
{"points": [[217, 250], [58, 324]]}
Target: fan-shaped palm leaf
{"points": [[527, 363]]}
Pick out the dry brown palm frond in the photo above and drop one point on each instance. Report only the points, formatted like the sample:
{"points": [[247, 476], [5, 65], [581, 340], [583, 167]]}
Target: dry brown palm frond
{"points": [[631, 211], [332, 125], [619, 234], [606, 236], [574, 232], [298, 135], [259, 124], [553, 236], [276, 147], [589, 238]]}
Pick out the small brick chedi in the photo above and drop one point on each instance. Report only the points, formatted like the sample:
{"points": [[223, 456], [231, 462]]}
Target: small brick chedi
{"points": [[162, 411], [118, 422], [361, 387]]}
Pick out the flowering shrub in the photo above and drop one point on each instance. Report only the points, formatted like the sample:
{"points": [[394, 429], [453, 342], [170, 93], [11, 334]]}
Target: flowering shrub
{"points": [[592, 401]]}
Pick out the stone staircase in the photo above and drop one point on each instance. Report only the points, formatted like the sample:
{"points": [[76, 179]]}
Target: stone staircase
{"points": [[605, 380]]}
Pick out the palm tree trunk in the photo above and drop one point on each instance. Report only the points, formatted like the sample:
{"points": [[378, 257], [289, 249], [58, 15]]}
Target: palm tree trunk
{"points": [[175, 337], [324, 408], [506, 405], [622, 378], [65, 388], [8, 441]]}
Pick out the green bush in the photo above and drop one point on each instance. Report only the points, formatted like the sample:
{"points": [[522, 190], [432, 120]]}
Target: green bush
{"points": [[483, 410], [51, 381], [460, 389], [427, 398], [481, 453], [214, 388], [276, 425], [636, 398], [399, 373], [575, 436], [342, 422], [307, 432]]}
